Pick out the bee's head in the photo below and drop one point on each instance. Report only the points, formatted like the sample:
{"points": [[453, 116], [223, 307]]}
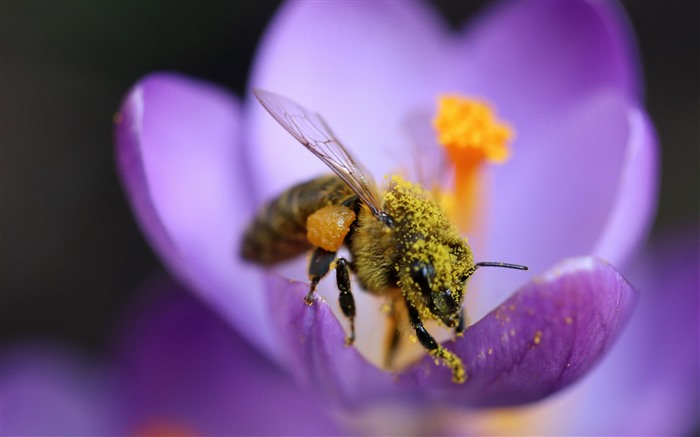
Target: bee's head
{"points": [[437, 284]]}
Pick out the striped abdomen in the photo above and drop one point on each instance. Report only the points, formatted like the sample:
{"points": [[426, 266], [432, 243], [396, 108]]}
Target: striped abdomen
{"points": [[278, 232]]}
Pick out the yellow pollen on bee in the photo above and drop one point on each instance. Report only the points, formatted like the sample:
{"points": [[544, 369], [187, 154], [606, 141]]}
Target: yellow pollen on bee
{"points": [[471, 134], [327, 227]]}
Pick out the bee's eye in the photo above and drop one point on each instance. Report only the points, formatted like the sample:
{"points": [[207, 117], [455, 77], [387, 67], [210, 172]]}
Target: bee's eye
{"points": [[449, 301], [422, 274]]}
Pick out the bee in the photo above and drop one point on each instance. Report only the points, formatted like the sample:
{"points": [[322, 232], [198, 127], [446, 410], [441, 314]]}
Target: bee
{"points": [[401, 243]]}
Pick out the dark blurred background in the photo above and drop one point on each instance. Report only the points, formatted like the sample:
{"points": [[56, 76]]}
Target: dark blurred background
{"points": [[72, 254]]}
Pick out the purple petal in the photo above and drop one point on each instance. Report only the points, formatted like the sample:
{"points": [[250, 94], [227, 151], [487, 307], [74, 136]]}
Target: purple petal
{"points": [[534, 59], [48, 389], [570, 190], [362, 65], [637, 192], [650, 385], [547, 335], [313, 344], [542, 339], [582, 179], [179, 151], [187, 369]]}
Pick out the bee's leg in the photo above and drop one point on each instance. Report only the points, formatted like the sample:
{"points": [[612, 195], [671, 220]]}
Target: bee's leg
{"points": [[347, 301], [392, 333], [459, 329], [319, 265], [449, 359]]}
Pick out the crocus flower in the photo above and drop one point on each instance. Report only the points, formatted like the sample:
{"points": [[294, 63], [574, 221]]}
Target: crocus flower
{"points": [[178, 369], [197, 162]]}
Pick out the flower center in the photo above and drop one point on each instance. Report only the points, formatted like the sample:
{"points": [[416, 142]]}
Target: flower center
{"points": [[471, 134]]}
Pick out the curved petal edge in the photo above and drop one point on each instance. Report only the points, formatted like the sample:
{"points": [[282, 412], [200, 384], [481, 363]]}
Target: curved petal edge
{"points": [[178, 142], [546, 336], [543, 338]]}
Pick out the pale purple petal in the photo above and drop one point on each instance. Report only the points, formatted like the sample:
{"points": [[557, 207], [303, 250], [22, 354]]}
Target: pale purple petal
{"points": [[534, 59], [545, 337], [185, 367], [52, 390], [556, 196], [362, 65], [179, 145], [582, 178], [637, 193]]}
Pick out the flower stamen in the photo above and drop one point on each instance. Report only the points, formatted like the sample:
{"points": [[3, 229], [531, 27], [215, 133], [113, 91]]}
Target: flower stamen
{"points": [[471, 135]]}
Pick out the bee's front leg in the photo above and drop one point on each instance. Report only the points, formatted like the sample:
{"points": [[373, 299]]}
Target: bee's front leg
{"points": [[448, 358], [459, 329]]}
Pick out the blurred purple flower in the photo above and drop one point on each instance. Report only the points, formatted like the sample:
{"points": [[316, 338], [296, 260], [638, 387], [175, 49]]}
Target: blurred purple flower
{"points": [[196, 163], [51, 389], [177, 370]]}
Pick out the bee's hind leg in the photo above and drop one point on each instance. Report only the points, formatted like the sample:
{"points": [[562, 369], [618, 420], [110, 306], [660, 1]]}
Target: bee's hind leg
{"points": [[319, 265]]}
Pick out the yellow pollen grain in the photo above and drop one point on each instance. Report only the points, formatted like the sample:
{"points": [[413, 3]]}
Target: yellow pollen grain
{"points": [[471, 134], [568, 320], [538, 337]]}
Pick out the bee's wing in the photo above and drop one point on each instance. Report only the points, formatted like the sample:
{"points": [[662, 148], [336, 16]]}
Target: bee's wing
{"points": [[430, 167], [311, 130]]}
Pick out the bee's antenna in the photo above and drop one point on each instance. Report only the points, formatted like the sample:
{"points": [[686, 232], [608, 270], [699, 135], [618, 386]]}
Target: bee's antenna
{"points": [[494, 264]]}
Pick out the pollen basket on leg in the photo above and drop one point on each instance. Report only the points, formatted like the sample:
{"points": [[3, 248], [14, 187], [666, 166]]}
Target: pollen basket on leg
{"points": [[328, 227], [471, 134]]}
